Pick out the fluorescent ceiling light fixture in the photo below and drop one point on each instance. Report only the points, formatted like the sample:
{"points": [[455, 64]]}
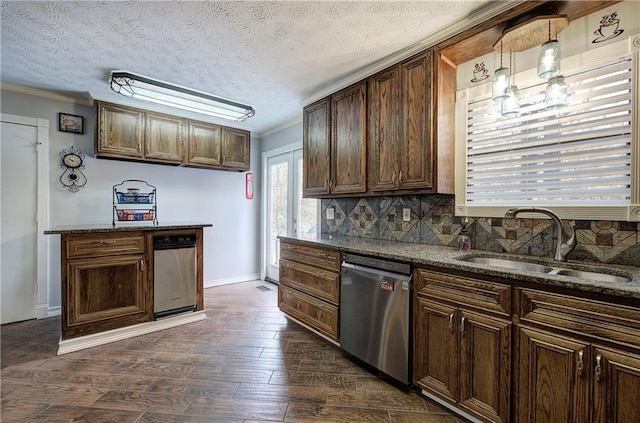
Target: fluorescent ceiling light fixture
{"points": [[145, 88]]}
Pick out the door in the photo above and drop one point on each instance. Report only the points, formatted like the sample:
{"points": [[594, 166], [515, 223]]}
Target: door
{"points": [[22, 237], [553, 383], [436, 349], [317, 147], [348, 140], [485, 364], [287, 212], [616, 386]]}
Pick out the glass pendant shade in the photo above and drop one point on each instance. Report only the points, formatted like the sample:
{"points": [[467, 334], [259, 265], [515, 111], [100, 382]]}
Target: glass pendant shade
{"points": [[511, 104], [500, 84], [555, 95], [549, 59]]}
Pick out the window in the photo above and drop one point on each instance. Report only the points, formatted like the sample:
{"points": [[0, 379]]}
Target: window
{"points": [[580, 160]]}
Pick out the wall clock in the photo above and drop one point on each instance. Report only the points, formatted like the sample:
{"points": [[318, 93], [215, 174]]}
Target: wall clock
{"points": [[72, 161]]}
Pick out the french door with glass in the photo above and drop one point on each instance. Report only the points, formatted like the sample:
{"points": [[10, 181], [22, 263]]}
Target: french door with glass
{"points": [[287, 212]]}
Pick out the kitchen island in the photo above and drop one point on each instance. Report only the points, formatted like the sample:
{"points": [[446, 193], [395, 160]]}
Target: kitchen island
{"points": [[107, 281]]}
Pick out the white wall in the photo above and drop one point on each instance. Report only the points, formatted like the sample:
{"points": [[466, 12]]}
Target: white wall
{"points": [[231, 246]]}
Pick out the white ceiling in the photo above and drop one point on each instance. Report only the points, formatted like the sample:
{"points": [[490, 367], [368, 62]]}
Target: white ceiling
{"points": [[273, 55]]}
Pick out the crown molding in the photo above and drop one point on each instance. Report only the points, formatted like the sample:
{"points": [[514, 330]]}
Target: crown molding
{"points": [[280, 127], [493, 9], [83, 100]]}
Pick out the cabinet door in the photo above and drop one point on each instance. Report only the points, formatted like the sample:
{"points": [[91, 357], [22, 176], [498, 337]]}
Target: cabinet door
{"points": [[348, 140], [204, 145], [236, 149], [485, 365], [316, 148], [416, 125], [616, 379], [311, 311], [436, 349], [120, 131], [382, 126], [164, 138], [104, 293], [553, 382]]}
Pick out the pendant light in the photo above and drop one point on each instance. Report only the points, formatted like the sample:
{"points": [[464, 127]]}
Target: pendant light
{"points": [[555, 95], [549, 57], [510, 106], [500, 81]]}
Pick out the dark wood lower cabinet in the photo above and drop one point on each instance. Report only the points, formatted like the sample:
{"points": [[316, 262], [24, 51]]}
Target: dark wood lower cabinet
{"points": [[465, 358], [105, 293], [553, 385], [309, 289], [562, 379]]}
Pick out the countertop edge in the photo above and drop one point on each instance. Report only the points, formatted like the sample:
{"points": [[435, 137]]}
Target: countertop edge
{"points": [[87, 229], [448, 258]]}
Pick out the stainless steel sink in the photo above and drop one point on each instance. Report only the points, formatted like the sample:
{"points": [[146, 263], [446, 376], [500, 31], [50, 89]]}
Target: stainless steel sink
{"points": [[509, 264], [549, 270], [596, 276]]}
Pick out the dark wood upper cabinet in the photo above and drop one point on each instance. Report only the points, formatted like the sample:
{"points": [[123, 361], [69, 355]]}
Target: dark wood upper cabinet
{"points": [[164, 138], [204, 144], [401, 140], [128, 133], [348, 140], [316, 148], [236, 148], [120, 131]]}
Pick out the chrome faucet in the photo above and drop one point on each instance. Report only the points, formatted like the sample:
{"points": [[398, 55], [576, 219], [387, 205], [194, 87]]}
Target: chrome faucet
{"points": [[563, 249]]}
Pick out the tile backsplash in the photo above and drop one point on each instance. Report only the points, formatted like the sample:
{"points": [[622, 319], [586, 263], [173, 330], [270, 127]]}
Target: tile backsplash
{"points": [[430, 219]]}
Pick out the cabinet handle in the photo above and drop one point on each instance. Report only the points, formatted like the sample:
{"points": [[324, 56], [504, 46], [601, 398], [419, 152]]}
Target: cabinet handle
{"points": [[111, 241], [142, 265], [598, 369], [451, 322], [462, 322], [580, 363], [332, 184], [400, 177], [393, 177]]}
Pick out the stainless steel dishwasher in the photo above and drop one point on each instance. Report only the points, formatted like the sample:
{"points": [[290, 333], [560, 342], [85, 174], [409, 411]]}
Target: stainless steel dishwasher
{"points": [[174, 274], [375, 299]]}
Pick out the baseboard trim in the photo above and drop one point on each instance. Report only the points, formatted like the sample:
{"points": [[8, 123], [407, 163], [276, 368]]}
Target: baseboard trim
{"points": [[320, 334], [450, 407], [93, 340], [229, 281]]}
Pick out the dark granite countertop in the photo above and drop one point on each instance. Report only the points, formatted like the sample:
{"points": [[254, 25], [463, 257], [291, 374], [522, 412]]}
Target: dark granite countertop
{"points": [[449, 258], [128, 227]]}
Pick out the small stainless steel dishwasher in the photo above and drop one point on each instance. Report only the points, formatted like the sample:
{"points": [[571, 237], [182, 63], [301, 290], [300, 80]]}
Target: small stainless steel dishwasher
{"points": [[174, 274], [375, 300]]}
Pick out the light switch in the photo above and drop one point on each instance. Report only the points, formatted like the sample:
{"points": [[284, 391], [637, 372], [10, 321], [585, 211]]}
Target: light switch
{"points": [[406, 214], [331, 213]]}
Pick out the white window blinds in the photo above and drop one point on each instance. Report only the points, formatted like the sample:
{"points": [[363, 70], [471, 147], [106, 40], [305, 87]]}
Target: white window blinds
{"points": [[577, 155]]}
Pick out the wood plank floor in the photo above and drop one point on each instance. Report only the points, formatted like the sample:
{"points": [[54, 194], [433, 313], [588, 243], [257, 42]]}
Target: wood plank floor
{"points": [[246, 363]]}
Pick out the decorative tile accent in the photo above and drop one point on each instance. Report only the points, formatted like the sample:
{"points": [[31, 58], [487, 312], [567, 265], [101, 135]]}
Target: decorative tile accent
{"points": [[433, 222], [391, 209], [363, 217]]}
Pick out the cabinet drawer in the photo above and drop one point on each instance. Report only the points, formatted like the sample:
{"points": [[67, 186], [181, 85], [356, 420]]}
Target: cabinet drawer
{"points": [[103, 245], [319, 257], [604, 321], [319, 283], [488, 296], [317, 314]]}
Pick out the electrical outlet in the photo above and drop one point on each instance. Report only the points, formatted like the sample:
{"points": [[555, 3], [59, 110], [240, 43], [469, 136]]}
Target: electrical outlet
{"points": [[331, 211], [406, 214]]}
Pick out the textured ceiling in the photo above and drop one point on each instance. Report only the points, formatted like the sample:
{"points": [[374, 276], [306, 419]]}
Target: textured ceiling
{"points": [[270, 54]]}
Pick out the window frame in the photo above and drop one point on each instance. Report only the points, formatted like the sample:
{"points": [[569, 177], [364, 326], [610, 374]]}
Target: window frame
{"points": [[629, 212]]}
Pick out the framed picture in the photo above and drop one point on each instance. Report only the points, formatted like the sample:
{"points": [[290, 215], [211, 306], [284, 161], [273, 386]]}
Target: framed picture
{"points": [[71, 123]]}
